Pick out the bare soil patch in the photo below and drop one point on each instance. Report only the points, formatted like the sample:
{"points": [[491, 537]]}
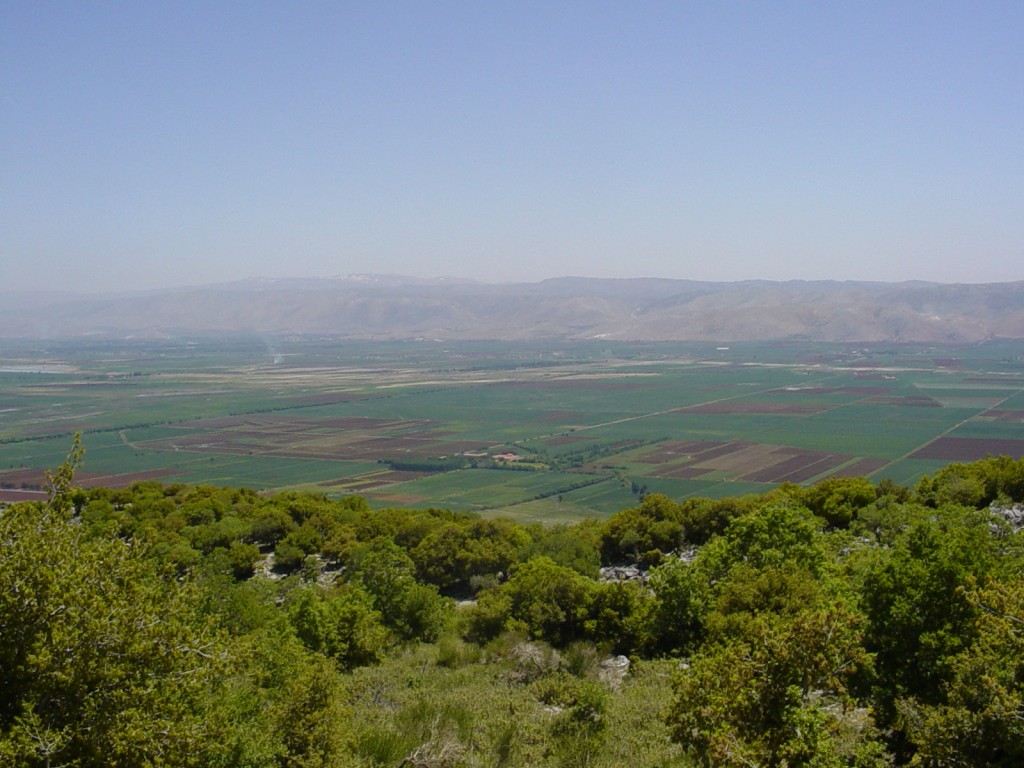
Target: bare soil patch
{"points": [[970, 448], [810, 470], [12, 496], [744, 457], [793, 463], [860, 468], [681, 473], [674, 449]]}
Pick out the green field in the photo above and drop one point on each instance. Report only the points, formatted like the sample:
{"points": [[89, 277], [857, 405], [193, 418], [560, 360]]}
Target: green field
{"points": [[586, 428]]}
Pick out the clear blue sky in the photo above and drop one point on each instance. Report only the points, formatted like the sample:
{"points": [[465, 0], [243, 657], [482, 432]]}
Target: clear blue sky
{"points": [[145, 144]]}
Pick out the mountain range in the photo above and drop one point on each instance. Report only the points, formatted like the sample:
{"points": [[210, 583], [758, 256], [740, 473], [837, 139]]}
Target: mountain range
{"points": [[391, 307]]}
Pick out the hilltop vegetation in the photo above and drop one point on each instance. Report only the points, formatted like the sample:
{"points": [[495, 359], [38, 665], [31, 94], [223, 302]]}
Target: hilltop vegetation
{"points": [[843, 624]]}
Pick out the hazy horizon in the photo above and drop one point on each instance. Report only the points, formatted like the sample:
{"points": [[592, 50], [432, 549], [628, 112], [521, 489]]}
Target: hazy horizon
{"points": [[440, 280], [150, 145]]}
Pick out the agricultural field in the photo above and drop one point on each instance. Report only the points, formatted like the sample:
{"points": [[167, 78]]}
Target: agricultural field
{"points": [[540, 432]]}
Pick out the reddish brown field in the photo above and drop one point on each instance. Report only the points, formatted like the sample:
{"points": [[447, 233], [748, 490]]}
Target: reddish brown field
{"points": [[794, 465], [741, 458], [861, 468], [23, 477], [748, 462], [12, 496], [33, 481], [970, 449], [674, 449], [680, 473], [809, 470]]}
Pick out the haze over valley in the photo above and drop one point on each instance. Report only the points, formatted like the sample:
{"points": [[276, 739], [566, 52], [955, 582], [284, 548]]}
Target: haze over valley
{"points": [[571, 308]]}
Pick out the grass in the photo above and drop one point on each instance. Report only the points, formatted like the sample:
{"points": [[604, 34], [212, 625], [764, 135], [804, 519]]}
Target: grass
{"points": [[487, 710]]}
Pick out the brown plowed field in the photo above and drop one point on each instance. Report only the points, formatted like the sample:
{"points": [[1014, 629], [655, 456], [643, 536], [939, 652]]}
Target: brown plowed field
{"points": [[970, 449], [860, 468], [680, 473], [749, 462], [812, 469], [17, 477], [13, 496], [743, 457], [720, 449], [789, 461], [30, 480], [672, 450]]}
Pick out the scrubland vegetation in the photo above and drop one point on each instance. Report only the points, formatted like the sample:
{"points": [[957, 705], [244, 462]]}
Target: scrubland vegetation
{"points": [[842, 624]]}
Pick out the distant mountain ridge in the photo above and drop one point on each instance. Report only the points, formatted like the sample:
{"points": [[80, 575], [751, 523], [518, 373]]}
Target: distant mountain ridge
{"points": [[395, 307]]}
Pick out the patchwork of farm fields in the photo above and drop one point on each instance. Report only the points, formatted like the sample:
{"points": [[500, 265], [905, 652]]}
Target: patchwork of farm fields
{"points": [[546, 432]]}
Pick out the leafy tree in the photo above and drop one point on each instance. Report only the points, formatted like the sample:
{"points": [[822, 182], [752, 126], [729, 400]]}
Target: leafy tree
{"points": [[703, 518], [974, 485], [547, 600], [839, 499], [566, 547], [412, 610], [620, 616], [777, 694], [644, 532], [104, 659], [918, 613], [677, 613], [341, 624], [980, 722], [454, 556]]}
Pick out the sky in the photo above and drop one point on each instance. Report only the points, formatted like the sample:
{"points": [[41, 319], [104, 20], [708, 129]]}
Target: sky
{"points": [[153, 144]]}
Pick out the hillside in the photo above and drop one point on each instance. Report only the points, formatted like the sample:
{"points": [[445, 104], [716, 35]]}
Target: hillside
{"points": [[383, 307]]}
